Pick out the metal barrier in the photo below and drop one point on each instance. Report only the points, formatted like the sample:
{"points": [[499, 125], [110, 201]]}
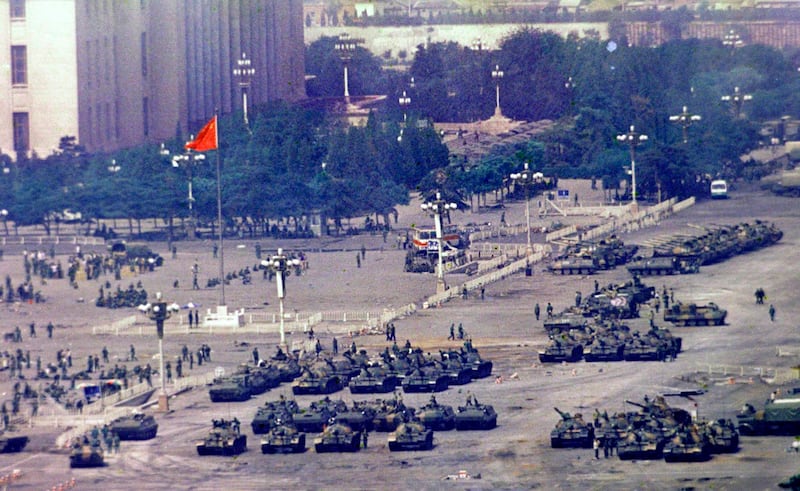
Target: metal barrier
{"points": [[51, 239], [771, 375]]}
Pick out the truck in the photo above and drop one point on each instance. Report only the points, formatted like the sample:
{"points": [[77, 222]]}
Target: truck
{"points": [[779, 416], [664, 265]]}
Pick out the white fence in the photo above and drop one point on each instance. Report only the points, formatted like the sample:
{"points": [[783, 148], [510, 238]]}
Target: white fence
{"points": [[37, 240], [770, 375]]}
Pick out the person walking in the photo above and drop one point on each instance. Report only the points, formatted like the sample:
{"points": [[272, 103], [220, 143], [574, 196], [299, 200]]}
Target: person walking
{"points": [[256, 357], [452, 336], [536, 311], [549, 310], [772, 312], [358, 260], [335, 346], [50, 328], [191, 318]]}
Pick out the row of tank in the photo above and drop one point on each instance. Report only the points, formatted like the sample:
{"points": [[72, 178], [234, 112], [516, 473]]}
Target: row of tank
{"points": [[657, 430], [408, 368], [589, 257], [339, 428], [681, 254]]}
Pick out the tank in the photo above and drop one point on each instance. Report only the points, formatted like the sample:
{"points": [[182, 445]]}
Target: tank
{"points": [[317, 380], [288, 368], [235, 388], [359, 417], [283, 438], [664, 265], [135, 427], [695, 315], [475, 416], [722, 435], [390, 413], [435, 416], [572, 266], [338, 437], [260, 378], [641, 444], [571, 431], [12, 444], [223, 439], [561, 348], [605, 347], [272, 411], [645, 348], [471, 358], [780, 416], [373, 380], [457, 373], [86, 454], [411, 436], [688, 444], [320, 413], [426, 379]]}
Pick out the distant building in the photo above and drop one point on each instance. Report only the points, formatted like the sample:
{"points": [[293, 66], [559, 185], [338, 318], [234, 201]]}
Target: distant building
{"points": [[118, 73]]}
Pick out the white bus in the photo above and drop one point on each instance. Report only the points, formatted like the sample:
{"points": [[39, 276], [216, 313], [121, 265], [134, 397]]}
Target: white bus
{"points": [[719, 189]]}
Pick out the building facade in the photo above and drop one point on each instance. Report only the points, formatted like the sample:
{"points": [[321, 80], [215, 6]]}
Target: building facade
{"points": [[119, 73]]}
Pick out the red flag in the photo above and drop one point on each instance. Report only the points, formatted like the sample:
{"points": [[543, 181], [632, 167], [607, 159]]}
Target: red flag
{"points": [[206, 138]]}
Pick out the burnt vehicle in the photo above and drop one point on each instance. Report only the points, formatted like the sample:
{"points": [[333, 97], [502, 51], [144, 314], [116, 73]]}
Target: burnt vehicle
{"points": [[435, 416], [426, 379], [411, 436], [338, 437], [135, 427], [272, 411], [223, 439], [571, 431], [691, 314], [86, 453], [475, 416], [372, 380], [283, 438], [314, 418]]}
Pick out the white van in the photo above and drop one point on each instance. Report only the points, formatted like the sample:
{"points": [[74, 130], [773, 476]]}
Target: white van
{"points": [[719, 189]]}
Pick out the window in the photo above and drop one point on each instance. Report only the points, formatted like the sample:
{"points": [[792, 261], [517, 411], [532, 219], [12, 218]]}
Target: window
{"points": [[143, 47], [17, 9], [21, 132], [19, 65]]}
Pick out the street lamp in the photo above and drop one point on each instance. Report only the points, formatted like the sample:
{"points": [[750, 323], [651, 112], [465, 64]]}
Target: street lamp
{"points": [[160, 311], [633, 139], [4, 217], [346, 46], [737, 100], [188, 160], [526, 179], [437, 208], [685, 119], [497, 75], [244, 72], [404, 101], [279, 264], [114, 169]]}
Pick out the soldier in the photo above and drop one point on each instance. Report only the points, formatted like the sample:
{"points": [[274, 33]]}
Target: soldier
{"points": [[256, 358], [116, 443], [33, 330], [652, 319], [578, 299], [549, 310], [133, 353], [772, 312], [452, 335], [105, 354], [191, 318], [358, 260], [460, 331], [178, 368], [364, 437], [363, 252], [50, 330], [335, 346], [536, 311], [657, 303]]}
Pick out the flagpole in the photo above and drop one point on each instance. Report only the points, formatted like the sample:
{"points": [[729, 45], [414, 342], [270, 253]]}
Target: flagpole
{"points": [[219, 211]]}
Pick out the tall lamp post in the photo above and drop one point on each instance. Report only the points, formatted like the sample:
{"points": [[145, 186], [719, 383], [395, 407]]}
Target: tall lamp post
{"points": [[497, 76], [346, 46], [633, 139], [685, 119], [280, 263], [404, 101], [160, 311], [437, 208], [244, 71], [737, 100], [4, 218], [114, 168], [526, 180], [187, 160]]}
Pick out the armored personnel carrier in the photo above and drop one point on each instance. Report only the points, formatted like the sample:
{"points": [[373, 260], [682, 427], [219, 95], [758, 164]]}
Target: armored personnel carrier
{"points": [[561, 348], [475, 416], [135, 427], [437, 416], [780, 416], [695, 315], [272, 411], [223, 439], [235, 388], [572, 266], [688, 444], [565, 322], [664, 265], [373, 380], [571, 431], [317, 380], [314, 418], [86, 454], [338, 437], [283, 438], [426, 379], [411, 436]]}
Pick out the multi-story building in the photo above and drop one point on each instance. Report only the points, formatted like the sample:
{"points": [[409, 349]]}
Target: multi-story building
{"points": [[118, 73]]}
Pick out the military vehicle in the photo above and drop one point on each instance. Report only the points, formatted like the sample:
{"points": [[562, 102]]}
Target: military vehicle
{"points": [[606, 346], [571, 431], [695, 315], [360, 417], [646, 348], [86, 454], [722, 435], [283, 438], [688, 444], [272, 411], [457, 373], [664, 265], [287, 366], [390, 413], [641, 444], [374, 380], [780, 416], [565, 322], [234, 388], [411, 436], [338, 437], [260, 378], [475, 416], [572, 266], [318, 380], [435, 416], [223, 439], [314, 418], [561, 348], [12, 444], [135, 427], [470, 357], [426, 379]]}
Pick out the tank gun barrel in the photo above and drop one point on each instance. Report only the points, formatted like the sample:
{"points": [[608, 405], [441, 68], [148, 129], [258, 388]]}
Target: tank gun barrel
{"points": [[563, 414], [636, 404]]}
